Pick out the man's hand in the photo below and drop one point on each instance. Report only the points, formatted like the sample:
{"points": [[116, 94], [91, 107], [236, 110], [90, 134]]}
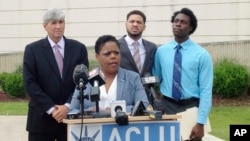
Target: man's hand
{"points": [[197, 132], [60, 112]]}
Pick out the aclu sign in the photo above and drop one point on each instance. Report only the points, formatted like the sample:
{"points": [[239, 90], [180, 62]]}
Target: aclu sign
{"points": [[135, 131]]}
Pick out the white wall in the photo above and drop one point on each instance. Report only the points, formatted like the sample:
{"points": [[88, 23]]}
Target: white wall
{"points": [[218, 20]]}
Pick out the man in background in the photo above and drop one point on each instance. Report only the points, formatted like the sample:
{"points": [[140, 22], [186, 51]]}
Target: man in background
{"points": [[135, 25], [137, 54]]}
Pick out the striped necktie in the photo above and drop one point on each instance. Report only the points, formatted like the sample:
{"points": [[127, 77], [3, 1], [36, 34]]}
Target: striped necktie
{"points": [[137, 55], [176, 87], [59, 58]]}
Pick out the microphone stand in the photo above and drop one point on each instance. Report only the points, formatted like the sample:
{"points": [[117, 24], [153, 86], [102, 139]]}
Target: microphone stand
{"points": [[81, 100], [81, 96], [97, 106], [81, 87]]}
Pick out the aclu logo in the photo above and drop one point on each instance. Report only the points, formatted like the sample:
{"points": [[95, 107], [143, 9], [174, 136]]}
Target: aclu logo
{"points": [[157, 131], [239, 132]]}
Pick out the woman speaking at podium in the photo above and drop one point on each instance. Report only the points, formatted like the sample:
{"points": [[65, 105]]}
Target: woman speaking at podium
{"points": [[120, 84]]}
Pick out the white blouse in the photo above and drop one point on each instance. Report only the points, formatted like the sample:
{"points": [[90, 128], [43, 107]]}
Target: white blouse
{"points": [[107, 97]]}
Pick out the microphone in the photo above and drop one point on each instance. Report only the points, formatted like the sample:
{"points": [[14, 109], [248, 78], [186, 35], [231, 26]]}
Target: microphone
{"points": [[121, 118], [138, 109], [80, 78], [96, 78], [80, 75], [95, 92], [148, 79], [148, 82]]}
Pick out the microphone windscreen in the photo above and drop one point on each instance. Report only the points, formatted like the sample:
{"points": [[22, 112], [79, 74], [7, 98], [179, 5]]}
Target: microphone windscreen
{"points": [[80, 73]]}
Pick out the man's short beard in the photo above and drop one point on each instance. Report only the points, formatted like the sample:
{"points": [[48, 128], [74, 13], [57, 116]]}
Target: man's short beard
{"points": [[135, 36]]}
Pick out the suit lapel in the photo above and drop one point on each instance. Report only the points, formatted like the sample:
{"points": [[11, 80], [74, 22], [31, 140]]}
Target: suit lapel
{"points": [[120, 83], [68, 52], [127, 53], [147, 52]]}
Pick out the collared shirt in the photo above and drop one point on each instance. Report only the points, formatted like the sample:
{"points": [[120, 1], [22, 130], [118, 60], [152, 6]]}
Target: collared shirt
{"points": [[142, 50], [61, 43], [197, 73]]}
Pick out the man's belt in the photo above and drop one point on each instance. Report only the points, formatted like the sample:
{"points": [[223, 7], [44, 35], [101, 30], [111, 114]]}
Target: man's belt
{"points": [[181, 102]]}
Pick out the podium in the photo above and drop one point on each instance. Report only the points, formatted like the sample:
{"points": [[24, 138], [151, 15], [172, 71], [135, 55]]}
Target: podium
{"points": [[140, 128]]}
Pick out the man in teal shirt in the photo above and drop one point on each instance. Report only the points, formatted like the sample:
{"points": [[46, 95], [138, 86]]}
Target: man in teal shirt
{"points": [[195, 72]]}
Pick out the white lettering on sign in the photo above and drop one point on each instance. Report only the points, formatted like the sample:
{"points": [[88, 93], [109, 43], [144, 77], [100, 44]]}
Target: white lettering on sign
{"points": [[116, 136], [130, 130], [172, 133]]}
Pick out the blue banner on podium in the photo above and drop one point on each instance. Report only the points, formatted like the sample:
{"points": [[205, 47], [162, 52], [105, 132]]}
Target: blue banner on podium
{"points": [[135, 131]]}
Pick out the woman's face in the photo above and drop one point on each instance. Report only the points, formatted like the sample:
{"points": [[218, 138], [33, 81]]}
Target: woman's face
{"points": [[109, 57]]}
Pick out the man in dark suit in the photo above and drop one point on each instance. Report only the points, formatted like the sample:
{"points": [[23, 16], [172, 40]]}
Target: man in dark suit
{"points": [[135, 25], [49, 87]]}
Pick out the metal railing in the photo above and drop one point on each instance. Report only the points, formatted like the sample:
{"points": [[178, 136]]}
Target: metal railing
{"points": [[239, 51], [10, 61]]}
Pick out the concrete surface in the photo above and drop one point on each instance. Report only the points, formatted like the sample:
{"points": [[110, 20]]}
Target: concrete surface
{"points": [[13, 128]]}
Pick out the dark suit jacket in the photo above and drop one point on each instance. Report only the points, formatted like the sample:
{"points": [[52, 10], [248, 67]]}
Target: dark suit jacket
{"points": [[44, 84], [128, 62]]}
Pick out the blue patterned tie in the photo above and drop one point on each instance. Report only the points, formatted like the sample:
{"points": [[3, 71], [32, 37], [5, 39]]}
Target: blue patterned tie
{"points": [[176, 87]]}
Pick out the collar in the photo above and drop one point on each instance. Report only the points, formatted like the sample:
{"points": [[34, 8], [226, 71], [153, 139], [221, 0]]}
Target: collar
{"points": [[184, 45], [130, 41], [61, 43]]}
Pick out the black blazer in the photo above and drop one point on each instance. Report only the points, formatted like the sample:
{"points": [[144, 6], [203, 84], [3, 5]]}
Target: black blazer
{"points": [[128, 62], [44, 84]]}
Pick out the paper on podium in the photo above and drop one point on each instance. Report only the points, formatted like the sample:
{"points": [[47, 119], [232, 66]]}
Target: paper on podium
{"points": [[188, 120]]}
